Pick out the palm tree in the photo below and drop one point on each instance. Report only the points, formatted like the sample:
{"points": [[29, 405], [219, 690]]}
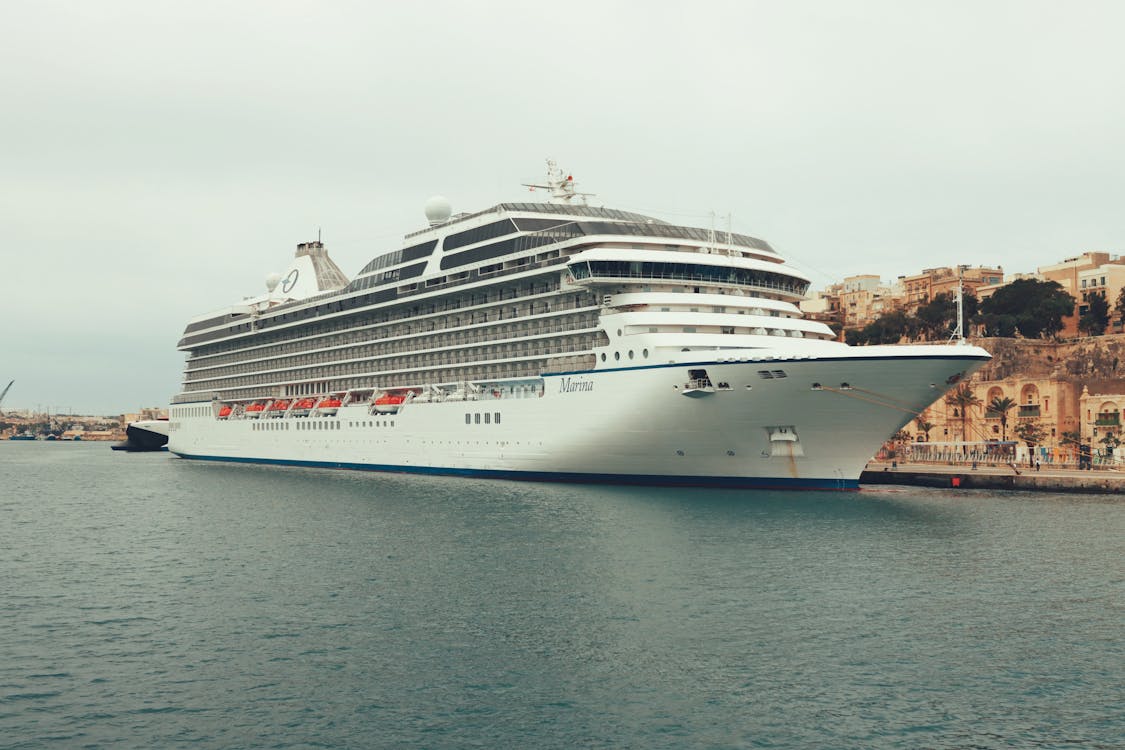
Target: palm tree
{"points": [[924, 426], [962, 398], [999, 407]]}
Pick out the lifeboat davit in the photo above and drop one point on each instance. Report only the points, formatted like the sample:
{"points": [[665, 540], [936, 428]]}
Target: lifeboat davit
{"points": [[277, 408], [303, 407], [389, 402], [224, 411], [328, 406], [255, 410]]}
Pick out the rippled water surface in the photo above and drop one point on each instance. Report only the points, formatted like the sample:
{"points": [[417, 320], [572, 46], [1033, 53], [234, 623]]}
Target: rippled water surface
{"points": [[152, 602]]}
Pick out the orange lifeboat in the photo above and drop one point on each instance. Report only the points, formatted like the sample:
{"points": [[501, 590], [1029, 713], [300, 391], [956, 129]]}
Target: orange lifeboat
{"points": [[303, 407], [255, 410], [277, 408], [328, 405], [224, 411], [389, 402]]}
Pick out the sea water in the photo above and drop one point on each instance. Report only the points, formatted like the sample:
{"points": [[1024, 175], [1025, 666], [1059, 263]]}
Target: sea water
{"points": [[153, 602]]}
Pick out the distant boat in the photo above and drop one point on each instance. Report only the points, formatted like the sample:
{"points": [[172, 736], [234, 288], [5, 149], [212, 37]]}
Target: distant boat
{"points": [[145, 435], [24, 436]]}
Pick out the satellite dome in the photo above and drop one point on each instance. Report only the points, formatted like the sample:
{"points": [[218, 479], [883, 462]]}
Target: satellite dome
{"points": [[438, 210], [272, 280]]}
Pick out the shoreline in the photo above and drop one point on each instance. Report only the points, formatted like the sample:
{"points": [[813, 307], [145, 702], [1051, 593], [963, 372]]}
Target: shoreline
{"points": [[1004, 477]]}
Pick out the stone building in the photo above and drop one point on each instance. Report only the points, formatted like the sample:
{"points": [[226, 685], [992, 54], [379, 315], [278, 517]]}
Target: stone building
{"points": [[1064, 387], [925, 286], [853, 303], [1102, 413], [1082, 275]]}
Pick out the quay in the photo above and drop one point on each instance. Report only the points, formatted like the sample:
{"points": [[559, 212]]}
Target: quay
{"points": [[994, 477]]}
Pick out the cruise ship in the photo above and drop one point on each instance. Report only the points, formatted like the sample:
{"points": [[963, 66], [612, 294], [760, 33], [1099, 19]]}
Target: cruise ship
{"points": [[551, 341]]}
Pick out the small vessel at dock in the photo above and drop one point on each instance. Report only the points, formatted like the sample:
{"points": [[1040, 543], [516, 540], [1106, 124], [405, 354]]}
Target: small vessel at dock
{"points": [[144, 435]]}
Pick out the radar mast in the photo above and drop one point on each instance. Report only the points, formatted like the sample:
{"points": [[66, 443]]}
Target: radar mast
{"points": [[561, 186]]}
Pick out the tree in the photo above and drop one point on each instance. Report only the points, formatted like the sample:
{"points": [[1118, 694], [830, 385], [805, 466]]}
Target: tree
{"points": [[1119, 308], [963, 399], [1095, 319], [1034, 308], [924, 426], [1071, 437], [1000, 406], [1031, 432], [1110, 441], [937, 318], [887, 329]]}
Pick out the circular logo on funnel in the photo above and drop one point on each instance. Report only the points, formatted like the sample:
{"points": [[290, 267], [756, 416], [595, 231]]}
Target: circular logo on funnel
{"points": [[290, 281]]}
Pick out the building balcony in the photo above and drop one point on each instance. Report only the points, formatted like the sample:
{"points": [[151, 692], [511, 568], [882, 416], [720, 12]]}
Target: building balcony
{"points": [[1108, 420], [1029, 410]]}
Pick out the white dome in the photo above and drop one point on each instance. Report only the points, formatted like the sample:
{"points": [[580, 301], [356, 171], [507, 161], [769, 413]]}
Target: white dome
{"points": [[438, 210], [272, 280]]}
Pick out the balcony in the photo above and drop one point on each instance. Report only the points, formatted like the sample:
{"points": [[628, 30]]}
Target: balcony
{"points": [[1029, 410], [1108, 419]]}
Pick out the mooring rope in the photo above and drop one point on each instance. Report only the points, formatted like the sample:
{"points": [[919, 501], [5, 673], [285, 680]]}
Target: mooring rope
{"points": [[875, 401]]}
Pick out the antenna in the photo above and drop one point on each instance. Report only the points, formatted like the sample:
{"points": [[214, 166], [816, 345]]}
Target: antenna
{"points": [[561, 185], [959, 331]]}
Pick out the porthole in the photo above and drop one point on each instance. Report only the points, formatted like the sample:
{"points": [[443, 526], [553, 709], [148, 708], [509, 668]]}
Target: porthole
{"points": [[644, 353], [618, 331], [603, 356], [630, 354], [617, 355]]}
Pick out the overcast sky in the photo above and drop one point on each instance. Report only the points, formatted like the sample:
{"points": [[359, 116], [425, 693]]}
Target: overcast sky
{"points": [[157, 160]]}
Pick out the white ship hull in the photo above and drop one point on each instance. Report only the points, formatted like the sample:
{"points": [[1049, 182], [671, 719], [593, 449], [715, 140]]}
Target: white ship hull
{"points": [[811, 421]]}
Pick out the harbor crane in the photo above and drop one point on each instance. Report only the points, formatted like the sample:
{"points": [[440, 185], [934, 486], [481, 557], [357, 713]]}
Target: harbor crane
{"points": [[5, 392]]}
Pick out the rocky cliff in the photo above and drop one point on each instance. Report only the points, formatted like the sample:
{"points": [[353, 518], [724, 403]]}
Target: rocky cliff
{"points": [[1101, 358]]}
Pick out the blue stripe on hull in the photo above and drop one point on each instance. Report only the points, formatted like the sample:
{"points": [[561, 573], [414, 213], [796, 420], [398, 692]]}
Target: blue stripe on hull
{"points": [[659, 480]]}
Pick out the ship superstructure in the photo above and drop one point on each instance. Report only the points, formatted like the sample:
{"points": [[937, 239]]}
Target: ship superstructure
{"points": [[593, 343]]}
